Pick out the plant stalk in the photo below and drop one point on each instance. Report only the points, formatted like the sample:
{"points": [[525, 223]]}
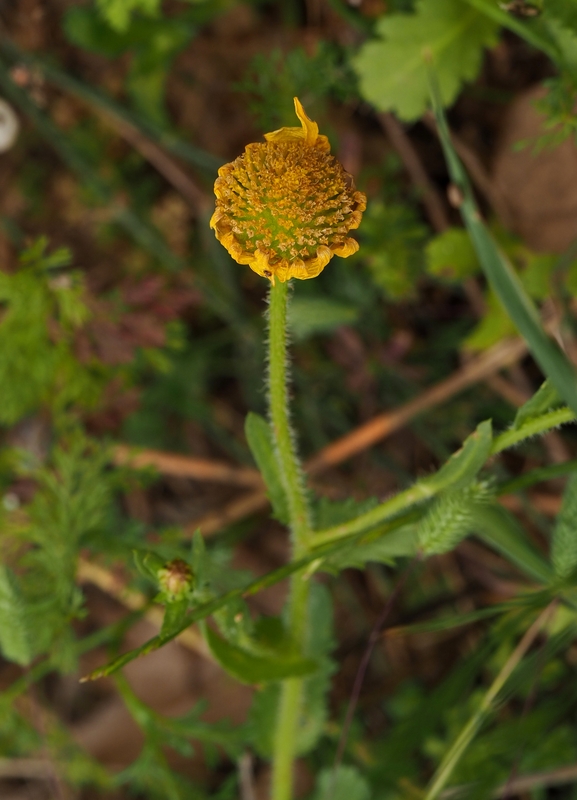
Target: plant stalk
{"points": [[464, 739], [291, 474]]}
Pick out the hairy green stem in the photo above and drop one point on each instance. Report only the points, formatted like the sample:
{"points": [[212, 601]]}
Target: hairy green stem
{"points": [[291, 475], [432, 485]]}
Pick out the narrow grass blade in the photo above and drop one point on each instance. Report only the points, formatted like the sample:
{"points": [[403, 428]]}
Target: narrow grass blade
{"points": [[501, 275], [532, 33], [501, 531]]}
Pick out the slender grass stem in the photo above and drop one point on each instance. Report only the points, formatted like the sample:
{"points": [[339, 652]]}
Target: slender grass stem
{"points": [[292, 478], [472, 727]]}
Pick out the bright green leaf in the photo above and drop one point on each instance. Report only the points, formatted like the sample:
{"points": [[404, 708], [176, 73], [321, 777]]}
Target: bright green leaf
{"points": [[545, 399], [564, 544], [495, 326], [344, 783], [451, 257], [463, 466], [249, 668], [14, 639], [393, 71], [260, 440]]}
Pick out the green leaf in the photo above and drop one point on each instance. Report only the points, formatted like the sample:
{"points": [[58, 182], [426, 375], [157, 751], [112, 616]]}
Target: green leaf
{"points": [[495, 326], [118, 12], [14, 639], [260, 440], [344, 783], [399, 543], [393, 71], [545, 399], [316, 688], [564, 544], [252, 669], [314, 712], [310, 315], [148, 564], [463, 466], [174, 615], [392, 238], [84, 28], [451, 257], [563, 10], [502, 277], [498, 528]]}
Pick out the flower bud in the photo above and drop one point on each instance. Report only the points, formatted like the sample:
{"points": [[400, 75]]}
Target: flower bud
{"points": [[176, 579]]}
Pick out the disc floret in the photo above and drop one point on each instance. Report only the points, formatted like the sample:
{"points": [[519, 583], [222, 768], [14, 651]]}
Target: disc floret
{"points": [[285, 207]]}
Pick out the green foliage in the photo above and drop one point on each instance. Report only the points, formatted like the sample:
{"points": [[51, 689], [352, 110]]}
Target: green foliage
{"points": [[451, 257], [392, 238], [451, 517], [501, 275], [260, 441], [308, 316], [393, 69], [463, 466], [564, 544], [545, 399], [72, 503], [563, 10], [272, 80], [382, 548], [41, 308], [344, 783], [271, 657], [152, 42], [14, 634], [118, 13], [314, 710]]}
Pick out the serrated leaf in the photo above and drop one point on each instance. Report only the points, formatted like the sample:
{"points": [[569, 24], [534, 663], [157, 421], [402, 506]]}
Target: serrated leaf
{"points": [[393, 70], [310, 315], [328, 513], [564, 544], [463, 466], [384, 550], [545, 399], [252, 669], [260, 440], [451, 257], [14, 639]]}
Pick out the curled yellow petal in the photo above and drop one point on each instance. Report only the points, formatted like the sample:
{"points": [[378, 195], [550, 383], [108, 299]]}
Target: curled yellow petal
{"points": [[347, 248], [309, 131], [310, 128]]}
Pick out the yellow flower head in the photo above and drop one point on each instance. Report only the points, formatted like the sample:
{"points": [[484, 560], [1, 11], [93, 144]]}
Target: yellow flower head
{"points": [[285, 207]]}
